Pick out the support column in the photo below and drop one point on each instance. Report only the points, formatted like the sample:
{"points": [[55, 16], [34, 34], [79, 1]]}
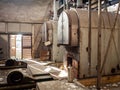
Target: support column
{"points": [[33, 38], [99, 47], [55, 10], [89, 37], [79, 3]]}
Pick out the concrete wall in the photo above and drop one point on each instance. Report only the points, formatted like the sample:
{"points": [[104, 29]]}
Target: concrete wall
{"points": [[24, 10], [15, 28], [4, 46]]}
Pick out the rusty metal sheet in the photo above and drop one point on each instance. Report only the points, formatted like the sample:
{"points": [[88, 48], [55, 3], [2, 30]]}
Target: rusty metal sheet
{"points": [[74, 26]]}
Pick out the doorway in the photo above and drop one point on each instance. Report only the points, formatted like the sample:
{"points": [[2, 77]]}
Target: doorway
{"points": [[20, 46]]}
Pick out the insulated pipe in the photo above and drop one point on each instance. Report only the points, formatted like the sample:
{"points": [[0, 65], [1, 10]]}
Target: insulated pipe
{"points": [[55, 10], [79, 3]]}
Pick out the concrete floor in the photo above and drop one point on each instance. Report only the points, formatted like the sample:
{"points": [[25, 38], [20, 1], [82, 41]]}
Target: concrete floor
{"points": [[58, 83]]}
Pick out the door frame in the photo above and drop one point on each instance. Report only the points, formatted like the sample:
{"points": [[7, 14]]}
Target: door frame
{"points": [[26, 34]]}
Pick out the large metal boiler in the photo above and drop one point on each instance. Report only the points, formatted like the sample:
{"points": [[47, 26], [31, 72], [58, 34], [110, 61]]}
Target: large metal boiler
{"points": [[73, 34], [49, 39]]}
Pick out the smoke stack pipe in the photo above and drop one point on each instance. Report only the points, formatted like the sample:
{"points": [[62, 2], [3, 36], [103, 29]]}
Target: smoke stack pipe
{"points": [[79, 3]]}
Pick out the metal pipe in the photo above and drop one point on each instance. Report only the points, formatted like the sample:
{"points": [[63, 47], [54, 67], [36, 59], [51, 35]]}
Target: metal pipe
{"points": [[66, 3], [55, 10], [99, 47], [89, 37], [79, 3]]}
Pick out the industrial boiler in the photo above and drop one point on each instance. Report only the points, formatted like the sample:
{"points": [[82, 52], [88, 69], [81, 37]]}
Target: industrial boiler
{"points": [[50, 50], [73, 34]]}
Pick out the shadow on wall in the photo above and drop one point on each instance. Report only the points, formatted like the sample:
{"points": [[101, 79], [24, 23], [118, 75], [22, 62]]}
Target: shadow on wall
{"points": [[3, 47]]}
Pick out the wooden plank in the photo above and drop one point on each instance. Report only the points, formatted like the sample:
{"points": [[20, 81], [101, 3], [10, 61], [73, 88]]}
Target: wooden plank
{"points": [[104, 80]]}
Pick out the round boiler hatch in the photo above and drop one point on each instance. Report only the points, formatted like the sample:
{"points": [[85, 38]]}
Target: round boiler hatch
{"points": [[63, 28], [68, 28]]}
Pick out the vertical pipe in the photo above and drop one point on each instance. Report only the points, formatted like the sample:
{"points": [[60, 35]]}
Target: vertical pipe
{"points": [[99, 47], [22, 46], [89, 36], [79, 3], [8, 43], [33, 43], [66, 4], [55, 10]]}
